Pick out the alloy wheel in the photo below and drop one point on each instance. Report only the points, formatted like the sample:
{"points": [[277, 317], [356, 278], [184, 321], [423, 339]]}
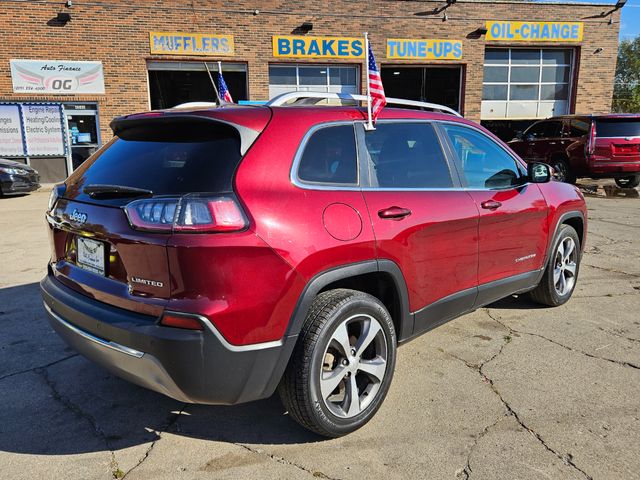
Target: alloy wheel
{"points": [[565, 266], [354, 366], [560, 170]]}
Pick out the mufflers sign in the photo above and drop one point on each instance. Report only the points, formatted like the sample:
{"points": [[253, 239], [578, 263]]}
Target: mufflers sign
{"points": [[60, 77], [180, 43]]}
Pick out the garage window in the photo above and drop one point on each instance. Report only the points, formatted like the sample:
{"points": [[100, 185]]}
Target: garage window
{"points": [[526, 83], [312, 78], [173, 83]]}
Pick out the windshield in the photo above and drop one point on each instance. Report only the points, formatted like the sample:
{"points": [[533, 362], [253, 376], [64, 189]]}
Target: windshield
{"points": [[169, 159], [618, 127]]}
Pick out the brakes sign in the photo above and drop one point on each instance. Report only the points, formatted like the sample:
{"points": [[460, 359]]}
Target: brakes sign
{"points": [[293, 46]]}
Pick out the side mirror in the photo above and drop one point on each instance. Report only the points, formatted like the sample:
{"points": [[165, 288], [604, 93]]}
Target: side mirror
{"points": [[519, 135], [539, 172]]}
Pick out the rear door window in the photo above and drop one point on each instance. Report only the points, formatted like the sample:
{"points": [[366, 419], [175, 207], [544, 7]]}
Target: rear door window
{"points": [[168, 159], [484, 163], [578, 128], [407, 155], [546, 129], [618, 127], [329, 157]]}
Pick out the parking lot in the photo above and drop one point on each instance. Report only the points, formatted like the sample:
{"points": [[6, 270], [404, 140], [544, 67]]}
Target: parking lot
{"points": [[509, 391]]}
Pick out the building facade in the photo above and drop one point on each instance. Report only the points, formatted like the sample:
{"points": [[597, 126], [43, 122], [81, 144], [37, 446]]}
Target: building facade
{"points": [[503, 63]]}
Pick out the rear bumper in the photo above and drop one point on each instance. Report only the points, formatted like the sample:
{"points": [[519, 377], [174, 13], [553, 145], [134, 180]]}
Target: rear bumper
{"points": [[190, 366], [613, 169]]}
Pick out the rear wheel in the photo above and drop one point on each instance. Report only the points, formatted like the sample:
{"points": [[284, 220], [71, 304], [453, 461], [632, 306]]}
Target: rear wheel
{"points": [[631, 181], [342, 365], [562, 170], [561, 273]]}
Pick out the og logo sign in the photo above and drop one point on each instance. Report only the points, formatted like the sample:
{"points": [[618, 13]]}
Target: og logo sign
{"points": [[59, 77]]}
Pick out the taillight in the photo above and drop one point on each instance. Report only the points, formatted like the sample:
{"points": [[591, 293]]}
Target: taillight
{"points": [[181, 321], [192, 214], [56, 192], [591, 143]]}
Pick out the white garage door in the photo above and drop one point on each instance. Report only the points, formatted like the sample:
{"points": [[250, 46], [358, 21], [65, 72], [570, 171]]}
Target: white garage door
{"points": [[526, 83]]}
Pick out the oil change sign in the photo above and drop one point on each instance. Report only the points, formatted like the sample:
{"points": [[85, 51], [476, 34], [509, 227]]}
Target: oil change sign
{"points": [[409, 49], [179, 43], [11, 131], [292, 46], [534, 31]]}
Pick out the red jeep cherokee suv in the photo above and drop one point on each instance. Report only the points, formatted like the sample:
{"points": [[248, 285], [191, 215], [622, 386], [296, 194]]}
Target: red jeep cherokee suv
{"points": [[216, 255], [595, 146]]}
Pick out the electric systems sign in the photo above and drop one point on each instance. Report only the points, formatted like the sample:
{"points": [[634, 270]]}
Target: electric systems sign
{"points": [[57, 76], [293, 46], [534, 31]]}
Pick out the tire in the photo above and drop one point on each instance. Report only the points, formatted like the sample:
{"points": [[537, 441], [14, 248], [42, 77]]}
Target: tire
{"points": [[631, 181], [338, 318], [562, 170], [561, 274]]}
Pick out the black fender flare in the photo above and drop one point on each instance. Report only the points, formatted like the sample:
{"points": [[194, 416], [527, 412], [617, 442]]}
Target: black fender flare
{"points": [[322, 279]]}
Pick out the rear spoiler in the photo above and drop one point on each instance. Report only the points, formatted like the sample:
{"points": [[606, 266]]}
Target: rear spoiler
{"points": [[120, 124]]}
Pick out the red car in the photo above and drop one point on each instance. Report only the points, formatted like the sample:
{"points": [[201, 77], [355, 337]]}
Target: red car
{"points": [[595, 146], [216, 255]]}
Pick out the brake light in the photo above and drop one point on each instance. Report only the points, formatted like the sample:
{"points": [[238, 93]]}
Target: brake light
{"points": [[591, 143], [181, 321], [192, 214], [56, 192]]}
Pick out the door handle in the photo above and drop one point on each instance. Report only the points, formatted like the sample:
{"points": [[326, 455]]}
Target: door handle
{"points": [[491, 204], [394, 213]]}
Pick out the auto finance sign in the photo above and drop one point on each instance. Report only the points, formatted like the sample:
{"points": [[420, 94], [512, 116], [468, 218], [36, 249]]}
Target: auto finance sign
{"points": [[56, 76]]}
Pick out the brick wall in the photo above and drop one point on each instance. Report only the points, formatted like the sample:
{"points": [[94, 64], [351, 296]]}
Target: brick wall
{"points": [[117, 33]]}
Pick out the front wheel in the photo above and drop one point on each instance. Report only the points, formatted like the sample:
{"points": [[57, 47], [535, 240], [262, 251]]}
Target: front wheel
{"points": [[561, 273], [341, 368], [631, 181], [562, 171]]}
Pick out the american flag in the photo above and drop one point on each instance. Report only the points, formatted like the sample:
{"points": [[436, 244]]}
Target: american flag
{"points": [[376, 90], [223, 91]]}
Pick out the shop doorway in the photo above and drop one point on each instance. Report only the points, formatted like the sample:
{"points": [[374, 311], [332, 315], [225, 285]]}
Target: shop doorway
{"points": [[440, 85], [84, 134], [173, 83]]}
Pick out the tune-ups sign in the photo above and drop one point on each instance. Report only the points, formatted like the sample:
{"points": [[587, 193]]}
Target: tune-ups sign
{"points": [[57, 76], [410, 49]]}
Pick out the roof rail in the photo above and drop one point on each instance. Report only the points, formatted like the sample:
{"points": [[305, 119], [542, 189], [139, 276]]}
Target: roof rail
{"points": [[311, 98], [194, 105]]}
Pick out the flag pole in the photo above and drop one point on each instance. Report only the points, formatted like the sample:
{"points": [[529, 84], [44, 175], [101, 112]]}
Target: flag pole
{"points": [[213, 83], [366, 69]]}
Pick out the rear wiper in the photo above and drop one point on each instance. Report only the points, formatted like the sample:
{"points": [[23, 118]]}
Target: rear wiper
{"points": [[114, 191]]}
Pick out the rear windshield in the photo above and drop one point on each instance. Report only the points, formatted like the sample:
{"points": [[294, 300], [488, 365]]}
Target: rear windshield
{"points": [[168, 159], [618, 127]]}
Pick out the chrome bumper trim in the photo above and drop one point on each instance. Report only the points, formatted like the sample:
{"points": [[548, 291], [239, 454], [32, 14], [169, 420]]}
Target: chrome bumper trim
{"points": [[92, 338]]}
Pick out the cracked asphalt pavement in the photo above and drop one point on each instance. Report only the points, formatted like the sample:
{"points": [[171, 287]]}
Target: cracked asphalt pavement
{"points": [[509, 391]]}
